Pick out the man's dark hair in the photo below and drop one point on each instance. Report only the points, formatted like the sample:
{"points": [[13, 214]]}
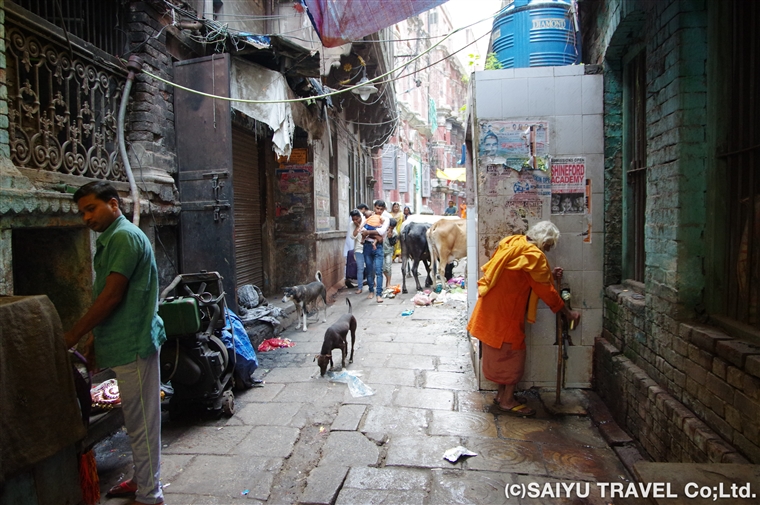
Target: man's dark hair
{"points": [[362, 206], [101, 189], [355, 212], [380, 203]]}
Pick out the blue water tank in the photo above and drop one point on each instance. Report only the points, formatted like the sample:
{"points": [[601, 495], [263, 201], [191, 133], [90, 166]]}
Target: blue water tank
{"points": [[537, 33]]}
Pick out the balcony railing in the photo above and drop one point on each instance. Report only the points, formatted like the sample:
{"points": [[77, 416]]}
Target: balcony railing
{"points": [[62, 107]]}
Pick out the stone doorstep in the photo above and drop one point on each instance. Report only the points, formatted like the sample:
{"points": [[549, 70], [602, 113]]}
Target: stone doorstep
{"points": [[699, 476]]}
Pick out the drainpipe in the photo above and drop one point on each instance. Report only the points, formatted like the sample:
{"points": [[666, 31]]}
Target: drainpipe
{"points": [[135, 66]]}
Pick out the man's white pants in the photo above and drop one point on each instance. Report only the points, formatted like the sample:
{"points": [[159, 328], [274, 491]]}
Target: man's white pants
{"points": [[140, 392]]}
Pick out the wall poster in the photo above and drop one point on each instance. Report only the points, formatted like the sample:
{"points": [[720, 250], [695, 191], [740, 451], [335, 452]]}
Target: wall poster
{"points": [[514, 144], [568, 185]]}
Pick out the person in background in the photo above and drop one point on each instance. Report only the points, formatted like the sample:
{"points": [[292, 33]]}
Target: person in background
{"points": [[451, 210], [515, 277], [357, 223], [399, 217], [349, 247], [407, 212], [463, 210], [373, 256], [127, 331], [389, 245]]}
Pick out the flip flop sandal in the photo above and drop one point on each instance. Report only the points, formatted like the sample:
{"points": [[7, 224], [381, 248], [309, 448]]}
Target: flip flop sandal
{"points": [[122, 489], [518, 411], [520, 399]]}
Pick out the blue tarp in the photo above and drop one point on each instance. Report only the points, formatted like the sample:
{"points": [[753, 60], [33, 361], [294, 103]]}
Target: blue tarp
{"points": [[245, 357]]}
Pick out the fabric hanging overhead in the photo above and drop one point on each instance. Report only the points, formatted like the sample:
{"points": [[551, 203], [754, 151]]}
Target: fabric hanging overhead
{"points": [[338, 23]]}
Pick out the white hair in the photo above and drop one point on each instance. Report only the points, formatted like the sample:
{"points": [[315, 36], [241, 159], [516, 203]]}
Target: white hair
{"points": [[544, 234]]}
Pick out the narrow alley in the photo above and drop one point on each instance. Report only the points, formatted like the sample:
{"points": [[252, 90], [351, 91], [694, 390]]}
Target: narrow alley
{"points": [[304, 439]]}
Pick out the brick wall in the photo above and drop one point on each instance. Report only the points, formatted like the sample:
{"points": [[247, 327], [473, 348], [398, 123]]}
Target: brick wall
{"points": [[150, 128], [686, 392]]}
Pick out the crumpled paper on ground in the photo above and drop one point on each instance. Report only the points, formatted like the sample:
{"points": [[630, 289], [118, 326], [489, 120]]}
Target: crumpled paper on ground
{"points": [[457, 452], [275, 343]]}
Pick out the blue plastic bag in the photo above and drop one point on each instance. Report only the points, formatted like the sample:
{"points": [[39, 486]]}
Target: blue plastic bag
{"points": [[245, 356]]}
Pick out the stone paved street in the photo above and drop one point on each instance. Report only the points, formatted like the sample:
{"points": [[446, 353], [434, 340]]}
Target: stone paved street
{"points": [[304, 439]]}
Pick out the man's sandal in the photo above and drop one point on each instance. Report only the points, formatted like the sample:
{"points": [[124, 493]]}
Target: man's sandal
{"points": [[518, 410], [122, 489]]}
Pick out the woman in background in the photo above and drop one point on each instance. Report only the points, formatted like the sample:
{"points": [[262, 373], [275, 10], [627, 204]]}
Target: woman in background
{"points": [[399, 217]]}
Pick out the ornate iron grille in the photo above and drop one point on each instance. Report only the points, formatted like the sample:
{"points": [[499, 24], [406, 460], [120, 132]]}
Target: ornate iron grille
{"points": [[62, 109]]}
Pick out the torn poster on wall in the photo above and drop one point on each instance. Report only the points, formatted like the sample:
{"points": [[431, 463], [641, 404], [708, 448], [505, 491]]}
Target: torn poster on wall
{"points": [[568, 185], [587, 233], [515, 144]]}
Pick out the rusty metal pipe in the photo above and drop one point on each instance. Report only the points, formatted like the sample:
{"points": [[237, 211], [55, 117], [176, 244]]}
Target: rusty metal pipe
{"points": [[135, 66]]}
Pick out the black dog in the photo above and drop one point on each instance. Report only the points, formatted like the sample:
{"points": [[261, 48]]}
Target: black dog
{"points": [[305, 294], [335, 338]]}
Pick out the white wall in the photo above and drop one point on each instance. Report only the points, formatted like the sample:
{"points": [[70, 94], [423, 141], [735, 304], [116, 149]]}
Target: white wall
{"points": [[571, 103]]}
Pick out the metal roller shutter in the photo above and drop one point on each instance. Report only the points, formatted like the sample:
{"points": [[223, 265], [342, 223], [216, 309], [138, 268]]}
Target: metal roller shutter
{"points": [[247, 207]]}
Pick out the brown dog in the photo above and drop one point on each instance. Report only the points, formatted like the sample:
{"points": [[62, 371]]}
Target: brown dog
{"points": [[335, 338]]}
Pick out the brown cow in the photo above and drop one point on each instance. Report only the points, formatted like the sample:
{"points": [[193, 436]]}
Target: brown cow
{"points": [[447, 240]]}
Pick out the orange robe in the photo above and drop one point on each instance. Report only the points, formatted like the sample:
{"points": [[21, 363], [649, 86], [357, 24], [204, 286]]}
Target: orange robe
{"points": [[515, 277]]}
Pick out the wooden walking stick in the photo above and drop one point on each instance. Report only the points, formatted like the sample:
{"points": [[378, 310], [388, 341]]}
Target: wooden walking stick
{"points": [[560, 356]]}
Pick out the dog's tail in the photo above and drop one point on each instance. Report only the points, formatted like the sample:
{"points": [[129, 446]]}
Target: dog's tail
{"points": [[319, 276], [349, 305]]}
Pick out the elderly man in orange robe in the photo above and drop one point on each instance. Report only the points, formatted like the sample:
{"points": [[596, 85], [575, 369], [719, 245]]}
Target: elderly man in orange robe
{"points": [[515, 277]]}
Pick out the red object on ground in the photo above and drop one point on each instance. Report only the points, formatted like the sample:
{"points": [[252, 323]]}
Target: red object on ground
{"points": [[274, 343]]}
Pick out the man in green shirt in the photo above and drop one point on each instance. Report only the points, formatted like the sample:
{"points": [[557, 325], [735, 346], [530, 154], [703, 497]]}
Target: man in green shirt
{"points": [[127, 330]]}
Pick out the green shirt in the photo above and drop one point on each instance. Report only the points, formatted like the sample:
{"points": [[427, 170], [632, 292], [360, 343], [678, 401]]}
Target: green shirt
{"points": [[133, 328]]}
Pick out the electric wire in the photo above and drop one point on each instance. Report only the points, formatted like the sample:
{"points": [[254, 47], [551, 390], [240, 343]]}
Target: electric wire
{"points": [[325, 95]]}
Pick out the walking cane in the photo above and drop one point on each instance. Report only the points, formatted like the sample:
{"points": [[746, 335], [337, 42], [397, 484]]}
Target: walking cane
{"points": [[560, 356]]}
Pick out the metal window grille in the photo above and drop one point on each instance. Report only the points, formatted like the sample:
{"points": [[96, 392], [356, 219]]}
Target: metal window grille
{"points": [[637, 169], [741, 160], [102, 23]]}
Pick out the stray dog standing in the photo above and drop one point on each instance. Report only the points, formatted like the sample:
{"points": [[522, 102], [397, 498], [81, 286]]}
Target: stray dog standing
{"points": [[305, 294], [335, 338]]}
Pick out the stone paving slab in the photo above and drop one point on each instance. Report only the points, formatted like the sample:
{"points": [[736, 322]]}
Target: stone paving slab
{"points": [[406, 361], [318, 391], [268, 442], [208, 440], [396, 421], [294, 374], [424, 398], [421, 452], [172, 465], [380, 497], [402, 479], [505, 456], [260, 394], [349, 417], [344, 448], [267, 414], [396, 376], [323, 484], [463, 424], [468, 488], [434, 350], [226, 477], [449, 380]]}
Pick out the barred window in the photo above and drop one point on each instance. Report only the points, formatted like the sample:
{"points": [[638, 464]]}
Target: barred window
{"points": [[741, 161], [635, 154]]}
